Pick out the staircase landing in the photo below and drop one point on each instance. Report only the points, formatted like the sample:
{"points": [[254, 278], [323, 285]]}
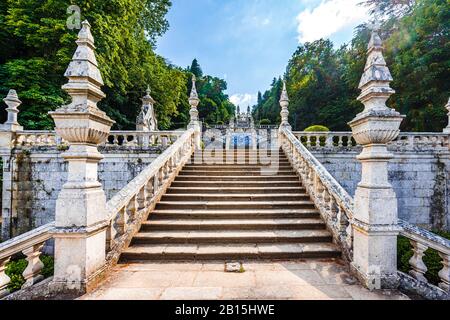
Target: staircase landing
{"points": [[298, 280]]}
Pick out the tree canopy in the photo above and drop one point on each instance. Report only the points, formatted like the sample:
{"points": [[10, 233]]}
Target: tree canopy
{"points": [[323, 81], [38, 47]]}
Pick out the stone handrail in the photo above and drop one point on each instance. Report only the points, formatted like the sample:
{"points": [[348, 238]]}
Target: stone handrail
{"points": [[131, 206], [142, 138], [30, 138], [406, 141], [421, 240], [333, 202], [30, 244]]}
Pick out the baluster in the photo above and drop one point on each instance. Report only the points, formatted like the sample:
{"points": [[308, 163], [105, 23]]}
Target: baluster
{"points": [[149, 193], [132, 209], [329, 141], [418, 267], [115, 141], [164, 141], [340, 141], [32, 273], [4, 279], [122, 221], [142, 198], [326, 199], [111, 233], [145, 140], [444, 274]]}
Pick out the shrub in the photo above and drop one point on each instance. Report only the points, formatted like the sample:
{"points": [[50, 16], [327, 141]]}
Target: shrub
{"points": [[264, 122], [317, 128], [431, 258], [220, 123], [15, 268]]}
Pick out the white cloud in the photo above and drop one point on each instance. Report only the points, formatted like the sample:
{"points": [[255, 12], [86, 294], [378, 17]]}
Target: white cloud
{"points": [[243, 99], [328, 18]]}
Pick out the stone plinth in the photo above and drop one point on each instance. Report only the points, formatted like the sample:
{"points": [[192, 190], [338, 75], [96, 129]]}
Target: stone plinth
{"points": [[375, 202]]}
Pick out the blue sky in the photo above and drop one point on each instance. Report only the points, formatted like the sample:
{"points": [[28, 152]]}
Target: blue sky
{"points": [[249, 42]]}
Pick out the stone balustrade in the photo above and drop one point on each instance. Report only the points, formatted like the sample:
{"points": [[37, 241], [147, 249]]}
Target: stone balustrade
{"points": [[406, 141], [31, 138], [127, 209], [130, 139], [142, 138], [130, 206], [422, 240], [333, 202], [30, 244]]}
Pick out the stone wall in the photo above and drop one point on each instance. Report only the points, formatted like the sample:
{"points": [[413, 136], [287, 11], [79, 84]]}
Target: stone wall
{"points": [[420, 179], [39, 173]]}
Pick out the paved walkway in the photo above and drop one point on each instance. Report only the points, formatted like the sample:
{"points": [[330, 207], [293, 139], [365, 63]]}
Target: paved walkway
{"points": [[310, 280]]}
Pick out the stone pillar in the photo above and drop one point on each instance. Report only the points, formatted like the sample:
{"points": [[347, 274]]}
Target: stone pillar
{"points": [[195, 123], [284, 103], [447, 106], [375, 226], [7, 136], [81, 217]]}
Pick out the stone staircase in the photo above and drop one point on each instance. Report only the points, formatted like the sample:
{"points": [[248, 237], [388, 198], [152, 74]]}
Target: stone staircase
{"points": [[233, 211]]}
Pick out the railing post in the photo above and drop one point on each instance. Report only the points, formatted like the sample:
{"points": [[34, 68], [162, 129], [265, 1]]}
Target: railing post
{"points": [[81, 215], [4, 279], [418, 266], [284, 103], [447, 106], [195, 123], [444, 274], [375, 208], [7, 137], [32, 273]]}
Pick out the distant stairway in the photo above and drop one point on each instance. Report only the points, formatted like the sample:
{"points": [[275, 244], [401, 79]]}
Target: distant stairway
{"points": [[233, 211]]}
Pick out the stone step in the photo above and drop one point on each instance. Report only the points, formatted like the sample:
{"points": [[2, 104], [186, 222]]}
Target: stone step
{"points": [[230, 252], [193, 177], [222, 205], [237, 224], [240, 184], [180, 213], [223, 197], [236, 167], [219, 189], [228, 237], [238, 173]]}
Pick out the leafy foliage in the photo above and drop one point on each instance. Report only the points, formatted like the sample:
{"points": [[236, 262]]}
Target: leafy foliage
{"points": [[40, 46], [323, 81], [15, 268], [431, 258]]}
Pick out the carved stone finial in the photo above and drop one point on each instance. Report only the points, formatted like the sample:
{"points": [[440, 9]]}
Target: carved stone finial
{"points": [[284, 94], [284, 103], [146, 119], [13, 102], [194, 94], [447, 106], [194, 102], [376, 78], [84, 76]]}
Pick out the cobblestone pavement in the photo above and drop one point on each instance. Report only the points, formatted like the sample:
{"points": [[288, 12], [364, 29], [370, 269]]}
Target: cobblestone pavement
{"points": [[299, 280]]}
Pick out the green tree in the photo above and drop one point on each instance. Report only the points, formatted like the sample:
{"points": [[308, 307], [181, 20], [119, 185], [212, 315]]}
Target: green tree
{"points": [[196, 69]]}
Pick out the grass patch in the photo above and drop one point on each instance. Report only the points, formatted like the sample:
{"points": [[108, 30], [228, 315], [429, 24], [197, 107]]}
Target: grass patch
{"points": [[431, 258]]}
